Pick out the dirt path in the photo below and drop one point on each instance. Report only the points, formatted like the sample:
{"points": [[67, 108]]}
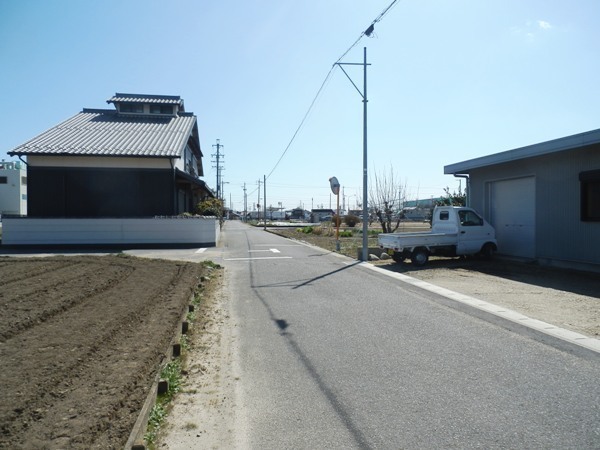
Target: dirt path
{"points": [[81, 340], [207, 413]]}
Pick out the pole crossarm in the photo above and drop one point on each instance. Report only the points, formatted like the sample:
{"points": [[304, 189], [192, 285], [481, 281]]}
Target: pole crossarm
{"points": [[348, 76]]}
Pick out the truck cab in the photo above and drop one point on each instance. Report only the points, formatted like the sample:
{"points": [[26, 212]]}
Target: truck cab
{"points": [[455, 231]]}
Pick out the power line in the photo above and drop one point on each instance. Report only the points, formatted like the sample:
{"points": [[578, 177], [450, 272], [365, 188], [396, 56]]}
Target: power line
{"points": [[368, 33]]}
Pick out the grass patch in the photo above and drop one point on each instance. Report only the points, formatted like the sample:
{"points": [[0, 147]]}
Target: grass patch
{"points": [[172, 374]]}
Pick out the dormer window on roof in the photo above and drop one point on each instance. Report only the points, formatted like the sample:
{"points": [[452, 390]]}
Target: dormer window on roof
{"points": [[131, 108], [161, 109]]}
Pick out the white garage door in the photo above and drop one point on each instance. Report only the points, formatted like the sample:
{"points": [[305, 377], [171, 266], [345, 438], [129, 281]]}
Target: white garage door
{"points": [[513, 216]]}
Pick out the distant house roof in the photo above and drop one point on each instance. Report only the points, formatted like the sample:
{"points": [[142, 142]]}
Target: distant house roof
{"points": [[327, 211], [544, 148], [101, 132]]}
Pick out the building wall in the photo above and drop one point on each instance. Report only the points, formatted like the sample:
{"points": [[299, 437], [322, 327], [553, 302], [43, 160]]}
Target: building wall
{"points": [[99, 192], [123, 162], [13, 193], [561, 237]]}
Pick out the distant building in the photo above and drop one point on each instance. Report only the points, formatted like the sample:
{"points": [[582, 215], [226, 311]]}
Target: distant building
{"points": [[320, 215], [299, 214], [13, 188], [419, 209], [543, 199]]}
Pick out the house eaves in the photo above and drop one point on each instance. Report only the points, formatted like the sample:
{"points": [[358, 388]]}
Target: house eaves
{"points": [[530, 151], [99, 132]]}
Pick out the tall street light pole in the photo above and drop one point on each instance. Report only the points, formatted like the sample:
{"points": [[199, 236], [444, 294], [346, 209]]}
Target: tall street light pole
{"points": [[363, 94]]}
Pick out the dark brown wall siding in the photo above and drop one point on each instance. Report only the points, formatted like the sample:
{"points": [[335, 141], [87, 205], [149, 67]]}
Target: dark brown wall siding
{"points": [[88, 192]]}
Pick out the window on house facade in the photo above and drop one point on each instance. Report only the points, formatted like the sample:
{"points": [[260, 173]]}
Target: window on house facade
{"points": [[161, 109], [131, 108], [24, 181], [3, 180], [590, 195], [190, 162]]}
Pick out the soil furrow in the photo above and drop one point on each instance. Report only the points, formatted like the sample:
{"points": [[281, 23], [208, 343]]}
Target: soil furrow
{"points": [[78, 379], [23, 310]]}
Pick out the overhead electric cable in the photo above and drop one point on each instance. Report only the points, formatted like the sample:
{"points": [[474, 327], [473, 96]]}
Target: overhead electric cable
{"points": [[368, 33]]}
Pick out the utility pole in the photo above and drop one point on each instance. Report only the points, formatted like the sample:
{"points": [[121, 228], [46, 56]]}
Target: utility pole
{"points": [[218, 166], [258, 203], [363, 94], [245, 203]]}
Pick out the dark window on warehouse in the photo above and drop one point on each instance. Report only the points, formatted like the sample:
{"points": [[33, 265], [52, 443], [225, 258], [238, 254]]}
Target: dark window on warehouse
{"points": [[590, 195], [3, 180]]}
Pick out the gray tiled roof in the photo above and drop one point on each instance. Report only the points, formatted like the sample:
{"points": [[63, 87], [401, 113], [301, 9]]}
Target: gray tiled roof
{"points": [[143, 98], [99, 132]]}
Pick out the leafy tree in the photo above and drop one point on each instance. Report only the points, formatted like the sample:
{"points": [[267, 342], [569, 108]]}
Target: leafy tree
{"points": [[453, 199]]}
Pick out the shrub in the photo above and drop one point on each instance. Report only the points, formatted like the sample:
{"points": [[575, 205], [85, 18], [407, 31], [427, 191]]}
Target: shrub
{"points": [[351, 220], [346, 233], [210, 207], [307, 230]]}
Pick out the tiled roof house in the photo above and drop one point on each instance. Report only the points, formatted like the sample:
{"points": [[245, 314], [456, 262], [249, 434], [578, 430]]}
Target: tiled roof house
{"points": [[140, 159]]}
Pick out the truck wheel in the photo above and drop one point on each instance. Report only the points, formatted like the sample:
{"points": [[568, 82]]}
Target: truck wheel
{"points": [[420, 256], [398, 257], [487, 251]]}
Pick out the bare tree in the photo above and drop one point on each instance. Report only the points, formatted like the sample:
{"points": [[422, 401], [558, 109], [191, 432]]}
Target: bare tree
{"points": [[386, 196]]}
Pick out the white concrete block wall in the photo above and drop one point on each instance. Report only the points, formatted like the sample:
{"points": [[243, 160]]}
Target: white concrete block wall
{"points": [[116, 231]]}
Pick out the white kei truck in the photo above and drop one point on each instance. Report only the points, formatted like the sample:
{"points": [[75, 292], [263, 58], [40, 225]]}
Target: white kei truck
{"points": [[455, 231]]}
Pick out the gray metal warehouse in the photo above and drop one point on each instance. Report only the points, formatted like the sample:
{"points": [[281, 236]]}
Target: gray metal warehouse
{"points": [[543, 199]]}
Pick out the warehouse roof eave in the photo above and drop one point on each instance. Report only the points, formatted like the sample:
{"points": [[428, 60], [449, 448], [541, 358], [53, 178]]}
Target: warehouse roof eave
{"points": [[543, 148]]}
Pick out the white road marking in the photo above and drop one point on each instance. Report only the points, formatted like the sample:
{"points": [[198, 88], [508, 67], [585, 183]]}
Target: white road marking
{"points": [[278, 245], [253, 259], [272, 250], [201, 250]]}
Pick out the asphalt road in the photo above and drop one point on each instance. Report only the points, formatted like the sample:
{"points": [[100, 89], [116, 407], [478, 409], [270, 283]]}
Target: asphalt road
{"points": [[334, 355]]}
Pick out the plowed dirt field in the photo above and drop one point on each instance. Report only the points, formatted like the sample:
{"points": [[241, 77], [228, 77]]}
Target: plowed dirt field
{"points": [[81, 341]]}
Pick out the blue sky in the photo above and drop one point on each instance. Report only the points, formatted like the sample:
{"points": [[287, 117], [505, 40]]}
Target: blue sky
{"points": [[448, 81]]}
